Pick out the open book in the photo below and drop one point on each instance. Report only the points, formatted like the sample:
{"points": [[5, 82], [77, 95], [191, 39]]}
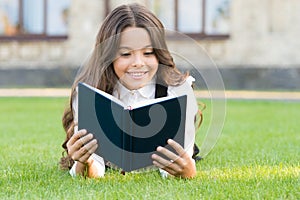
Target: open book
{"points": [[128, 136]]}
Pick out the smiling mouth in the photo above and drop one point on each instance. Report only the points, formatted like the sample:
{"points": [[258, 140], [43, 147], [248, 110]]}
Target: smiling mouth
{"points": [[137, 75]]}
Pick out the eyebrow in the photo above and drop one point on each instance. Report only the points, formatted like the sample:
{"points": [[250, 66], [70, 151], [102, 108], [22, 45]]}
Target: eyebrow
{"points": [[145, 47]]}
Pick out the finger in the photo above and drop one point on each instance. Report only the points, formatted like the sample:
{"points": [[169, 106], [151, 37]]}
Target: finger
{"points": [[76, 136], [91, 146], [170, 167], [84, 158], [169, 170], [169, 154], [86, 138], [94, 148], [177, 147], [83, 140], [86, 151], [164, 163]]}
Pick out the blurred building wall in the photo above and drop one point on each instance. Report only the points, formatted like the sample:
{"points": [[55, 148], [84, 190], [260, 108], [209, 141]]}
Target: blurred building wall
{"points": [[84, 20], [263, 34]]}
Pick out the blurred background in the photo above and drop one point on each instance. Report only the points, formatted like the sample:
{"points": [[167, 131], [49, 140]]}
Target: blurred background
{"points": [[254, 43]]}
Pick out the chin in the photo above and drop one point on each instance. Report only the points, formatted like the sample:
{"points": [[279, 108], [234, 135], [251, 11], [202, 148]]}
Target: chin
{"points": [[135, 86]]}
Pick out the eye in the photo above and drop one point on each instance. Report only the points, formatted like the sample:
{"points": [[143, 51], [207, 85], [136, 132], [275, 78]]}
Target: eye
{"points": [[125, 54], [148, 53]]}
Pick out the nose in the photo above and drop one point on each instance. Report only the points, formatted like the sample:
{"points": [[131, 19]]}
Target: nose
{"points": [[138, 60]]}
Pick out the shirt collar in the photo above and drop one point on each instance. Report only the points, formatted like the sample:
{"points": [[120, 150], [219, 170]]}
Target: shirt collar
{"points": [[120, 91]]}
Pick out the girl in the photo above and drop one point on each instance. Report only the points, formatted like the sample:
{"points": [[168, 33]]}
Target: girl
{"points": [[130, 61]]}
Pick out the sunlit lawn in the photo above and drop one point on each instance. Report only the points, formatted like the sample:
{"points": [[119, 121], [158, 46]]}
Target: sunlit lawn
{"points": [[256, 157]]}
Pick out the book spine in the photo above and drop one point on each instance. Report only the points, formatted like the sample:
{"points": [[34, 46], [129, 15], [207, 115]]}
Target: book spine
{"points": [[123, 129], [131, 124]]}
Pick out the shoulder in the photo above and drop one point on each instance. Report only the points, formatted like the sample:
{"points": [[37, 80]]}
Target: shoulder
{"points": [[183, 89]]}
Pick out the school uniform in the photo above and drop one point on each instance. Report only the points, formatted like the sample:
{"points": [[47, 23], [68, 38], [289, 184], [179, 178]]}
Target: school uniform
{"points": [[128, 97]]}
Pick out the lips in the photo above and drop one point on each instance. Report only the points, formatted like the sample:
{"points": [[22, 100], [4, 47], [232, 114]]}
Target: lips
{"points": [[137, 75]]}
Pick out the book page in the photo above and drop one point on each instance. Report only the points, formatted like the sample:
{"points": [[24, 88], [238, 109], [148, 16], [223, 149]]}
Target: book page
{"points": [[133, 106], [108, 96], [149, 102]]}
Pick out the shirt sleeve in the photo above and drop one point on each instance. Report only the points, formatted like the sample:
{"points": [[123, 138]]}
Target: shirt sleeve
{"points": [[98, 166], [163, 173]]}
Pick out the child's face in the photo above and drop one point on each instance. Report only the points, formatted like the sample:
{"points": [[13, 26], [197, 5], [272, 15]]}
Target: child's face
{"points": [[135, 63]]}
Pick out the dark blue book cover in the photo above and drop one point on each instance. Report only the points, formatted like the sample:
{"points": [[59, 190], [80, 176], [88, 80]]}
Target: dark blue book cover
{"points": [[127, 137]]}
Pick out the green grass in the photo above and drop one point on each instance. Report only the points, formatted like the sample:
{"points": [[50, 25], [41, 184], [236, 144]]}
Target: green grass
{"points": [[256, 157]]}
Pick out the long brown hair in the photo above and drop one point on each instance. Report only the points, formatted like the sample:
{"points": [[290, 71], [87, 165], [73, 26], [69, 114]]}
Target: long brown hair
{"points": [[98, 70]]}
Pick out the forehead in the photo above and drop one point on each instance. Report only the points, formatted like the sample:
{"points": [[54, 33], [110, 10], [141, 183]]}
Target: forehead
{"points": [[134, 38]]}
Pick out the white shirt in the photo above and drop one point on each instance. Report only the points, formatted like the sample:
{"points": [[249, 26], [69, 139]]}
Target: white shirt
{"points": [[128, 97]]}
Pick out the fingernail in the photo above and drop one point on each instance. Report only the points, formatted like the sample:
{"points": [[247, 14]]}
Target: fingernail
{"points": [[83, 131], [170, 140]]}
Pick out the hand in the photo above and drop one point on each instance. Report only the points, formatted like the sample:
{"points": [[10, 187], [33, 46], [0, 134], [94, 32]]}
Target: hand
{"points": [[81, 146], [181, 165]]}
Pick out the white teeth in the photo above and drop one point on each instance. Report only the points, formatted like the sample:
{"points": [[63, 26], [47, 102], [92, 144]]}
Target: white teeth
{"points": [[136, 73]]}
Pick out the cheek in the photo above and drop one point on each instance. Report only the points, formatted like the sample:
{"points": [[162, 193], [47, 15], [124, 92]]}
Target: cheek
{"points": [[154, 68], [154, 64], [119, 67]]}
